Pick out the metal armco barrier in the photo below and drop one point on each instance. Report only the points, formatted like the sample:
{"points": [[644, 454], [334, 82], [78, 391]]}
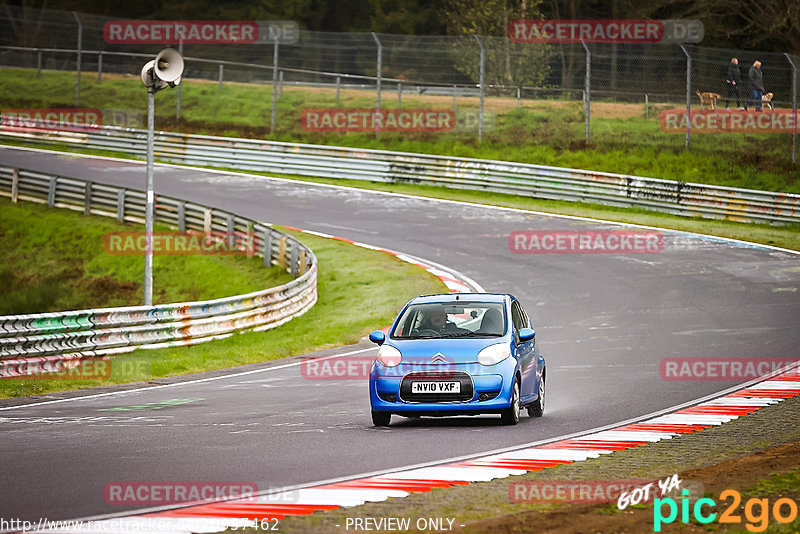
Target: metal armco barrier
{"points": [[555, 183], [50, 338]]}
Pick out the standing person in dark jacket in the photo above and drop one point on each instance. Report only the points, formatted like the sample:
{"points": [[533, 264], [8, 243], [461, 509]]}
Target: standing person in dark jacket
{"points": [[756, 85], [733, 79]]}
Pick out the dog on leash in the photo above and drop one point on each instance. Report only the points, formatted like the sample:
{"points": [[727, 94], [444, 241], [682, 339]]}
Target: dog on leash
{"points": [[766, 99], [708, 99]]}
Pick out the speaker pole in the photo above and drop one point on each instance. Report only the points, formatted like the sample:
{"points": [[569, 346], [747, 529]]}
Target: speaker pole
{"points": [[148, 217]]}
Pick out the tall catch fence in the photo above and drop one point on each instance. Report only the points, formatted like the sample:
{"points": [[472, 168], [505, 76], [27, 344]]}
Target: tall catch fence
{"points": [[562, 95]]}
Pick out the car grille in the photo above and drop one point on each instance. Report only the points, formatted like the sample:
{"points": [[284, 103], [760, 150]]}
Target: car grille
{"points": [[466, 394]]}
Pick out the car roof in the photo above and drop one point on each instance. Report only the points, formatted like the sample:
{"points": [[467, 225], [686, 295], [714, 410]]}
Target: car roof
{"points": [[456, 297]]}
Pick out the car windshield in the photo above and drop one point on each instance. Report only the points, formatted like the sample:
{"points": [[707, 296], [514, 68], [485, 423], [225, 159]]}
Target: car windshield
{"points": [[451, 320]]}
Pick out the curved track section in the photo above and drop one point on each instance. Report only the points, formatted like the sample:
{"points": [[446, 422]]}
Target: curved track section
{"points": [[604, 321]]}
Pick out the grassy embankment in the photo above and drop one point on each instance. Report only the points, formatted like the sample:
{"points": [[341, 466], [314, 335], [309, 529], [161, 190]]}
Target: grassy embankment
{"points": [[54, 260]]}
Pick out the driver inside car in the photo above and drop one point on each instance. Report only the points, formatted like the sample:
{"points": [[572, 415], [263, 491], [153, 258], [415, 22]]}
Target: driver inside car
{"points": [[436, 320]]}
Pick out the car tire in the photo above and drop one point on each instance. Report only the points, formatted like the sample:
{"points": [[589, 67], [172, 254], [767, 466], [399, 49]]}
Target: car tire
{"points": [[510, 416], [381, 418], [537, 408]]}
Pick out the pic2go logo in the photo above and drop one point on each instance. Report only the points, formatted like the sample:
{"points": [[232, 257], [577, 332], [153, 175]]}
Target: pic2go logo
{"points": [[756, 511]]}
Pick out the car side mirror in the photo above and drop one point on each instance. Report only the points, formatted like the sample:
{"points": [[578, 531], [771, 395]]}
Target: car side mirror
{"points": [[526, 334], [377, 337]]}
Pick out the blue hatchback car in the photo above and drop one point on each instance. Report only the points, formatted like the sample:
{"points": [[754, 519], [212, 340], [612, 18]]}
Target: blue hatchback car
{"points": [[458, 354]]}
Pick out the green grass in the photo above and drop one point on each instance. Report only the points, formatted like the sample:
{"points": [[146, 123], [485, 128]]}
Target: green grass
{"points": [[541, 132], [359, 290], [55, 260]]}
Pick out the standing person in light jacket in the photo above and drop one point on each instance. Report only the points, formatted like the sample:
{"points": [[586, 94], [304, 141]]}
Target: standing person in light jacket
{"points": [[756, 85], [733, 79]]}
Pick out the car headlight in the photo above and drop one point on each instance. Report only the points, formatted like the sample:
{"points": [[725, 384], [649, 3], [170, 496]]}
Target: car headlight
{"points": [[494, 354], [389, 356]]}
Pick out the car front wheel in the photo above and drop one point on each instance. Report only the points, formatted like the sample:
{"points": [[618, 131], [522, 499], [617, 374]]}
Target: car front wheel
{"points": [[510, 415], [381, 418], [537, 408]]}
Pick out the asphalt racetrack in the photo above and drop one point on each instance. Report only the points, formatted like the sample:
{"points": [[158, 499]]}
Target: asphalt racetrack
{"points": [[604, 322]]}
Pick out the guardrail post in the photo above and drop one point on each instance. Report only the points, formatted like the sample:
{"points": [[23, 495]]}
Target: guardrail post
{"points": [[207, 221], [267, 244], [121, 205], [51, 193], [14, 185], [688, 94], [38, 63], [182, 217], [229, 230], [87, 199], [221, 68], [293, 260], [282, 252], [301, 268], [483, 65]]}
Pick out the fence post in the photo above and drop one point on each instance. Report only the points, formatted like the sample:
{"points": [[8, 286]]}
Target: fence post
{"points": [[180, 85], [87, 198], [518, 91], [80, 49], [301, 268], [455, 104], [794, 107], [293, 260], [221, 70], [229, 226], [274, 84], [14, 185], [338, 88], [100, 66], [399, 94], [38, 63], [646, 107], [207, 221], [282, 252], [688, 94], [51, 192], [380, 66], [587, 94], [280, 84], [120, 205], [483, 65], [267, 243], [182, 217]]}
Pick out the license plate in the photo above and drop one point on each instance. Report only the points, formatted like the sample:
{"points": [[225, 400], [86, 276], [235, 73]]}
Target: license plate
{"points": [[435, 387]]}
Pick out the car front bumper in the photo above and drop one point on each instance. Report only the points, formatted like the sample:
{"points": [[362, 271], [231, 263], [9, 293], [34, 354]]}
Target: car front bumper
{"points": [[491, 389]]}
